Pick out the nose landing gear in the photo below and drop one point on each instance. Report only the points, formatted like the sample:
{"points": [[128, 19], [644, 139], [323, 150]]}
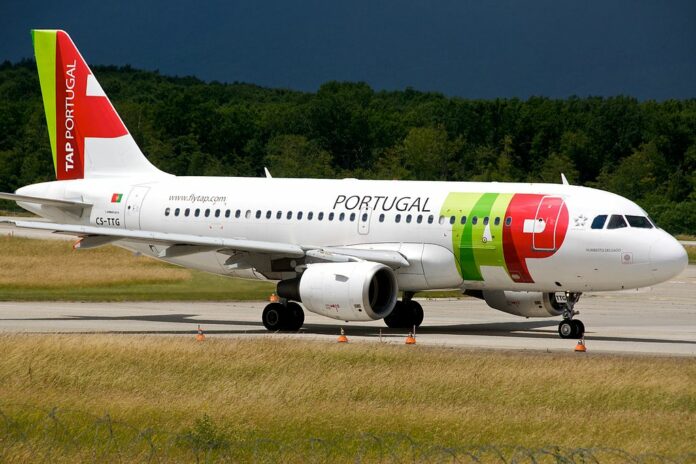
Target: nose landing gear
{"points": [[569, 327]]}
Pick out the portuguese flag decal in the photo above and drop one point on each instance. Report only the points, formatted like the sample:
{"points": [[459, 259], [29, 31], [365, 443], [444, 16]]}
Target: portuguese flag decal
{"points": [[116, 198]]}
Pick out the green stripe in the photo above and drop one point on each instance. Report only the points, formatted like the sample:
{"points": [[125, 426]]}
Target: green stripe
{"points": [[491, 253], [45, 52]]}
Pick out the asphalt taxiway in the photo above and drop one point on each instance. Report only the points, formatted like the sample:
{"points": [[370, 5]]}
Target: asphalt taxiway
{"points": [[660, 320]]}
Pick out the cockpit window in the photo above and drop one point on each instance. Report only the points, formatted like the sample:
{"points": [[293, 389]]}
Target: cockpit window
{"points": [[616, 221], [598, 222], [640, 222]]}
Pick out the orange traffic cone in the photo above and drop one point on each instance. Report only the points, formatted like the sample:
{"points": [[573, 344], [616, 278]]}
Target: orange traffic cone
{"points": [[274, 298], [580, 347], [342, 338], [411, 339], [200, 336]]}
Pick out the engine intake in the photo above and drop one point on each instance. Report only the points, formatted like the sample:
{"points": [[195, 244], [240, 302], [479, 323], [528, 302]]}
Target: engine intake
{"points": [[356, 291], [525, 304]]}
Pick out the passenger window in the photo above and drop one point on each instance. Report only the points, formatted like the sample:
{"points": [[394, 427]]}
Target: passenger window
{"points": [[331, 216], [166, 211], [187, 211], [598, 222], [289, 215], [462, 220], [207, 212], [381, 217], [258, 214], [217, 213], [341, 216], [198, 212], [397, 219], [616, 221], [408, 218], [497, 221], [442, 220], [279, 215], [640, 222], [310, 215], [508, 221], [419, 219], [453, 219], [176, 212], [430, 219], [269, 213], [485, 221], [352, 217], [474, 220], [320, 216], [299, 215], [227, 213], [247, 215], [364, 217], [238, 213]]}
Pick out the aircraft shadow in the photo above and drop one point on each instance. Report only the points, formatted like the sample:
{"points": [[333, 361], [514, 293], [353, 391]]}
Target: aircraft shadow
{"points": [[526, 329]]}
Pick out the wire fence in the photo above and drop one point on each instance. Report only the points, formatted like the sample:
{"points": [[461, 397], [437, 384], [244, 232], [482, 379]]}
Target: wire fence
{"points": [[30, 434]]}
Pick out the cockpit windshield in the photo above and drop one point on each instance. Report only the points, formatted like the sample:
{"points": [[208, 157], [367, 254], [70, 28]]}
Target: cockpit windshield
{"points": [[640, 222], [618, 221]]}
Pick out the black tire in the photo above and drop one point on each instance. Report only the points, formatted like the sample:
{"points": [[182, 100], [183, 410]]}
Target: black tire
{"points": [[405, 315], [394, 319], [295, 317], [416, 313], [273, 317], [566, 329], [579, 328]]}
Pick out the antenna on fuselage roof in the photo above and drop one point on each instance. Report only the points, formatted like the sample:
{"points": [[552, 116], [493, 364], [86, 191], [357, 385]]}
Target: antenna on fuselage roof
{"points": [[564, 181], [268, 174]]}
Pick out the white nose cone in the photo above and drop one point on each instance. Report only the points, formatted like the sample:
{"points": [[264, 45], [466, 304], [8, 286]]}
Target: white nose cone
{"points": [[667, 258]]}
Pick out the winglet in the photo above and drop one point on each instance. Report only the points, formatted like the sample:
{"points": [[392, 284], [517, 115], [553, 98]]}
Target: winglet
{"points": [[564, 181]]}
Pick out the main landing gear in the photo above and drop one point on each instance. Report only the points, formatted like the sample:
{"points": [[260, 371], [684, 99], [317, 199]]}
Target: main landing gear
{"points": [[569, 327], [283, 317], [406, 314]]}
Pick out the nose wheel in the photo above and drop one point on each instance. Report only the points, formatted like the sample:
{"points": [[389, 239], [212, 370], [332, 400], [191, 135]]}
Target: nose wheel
{"points": [[569, 327]]}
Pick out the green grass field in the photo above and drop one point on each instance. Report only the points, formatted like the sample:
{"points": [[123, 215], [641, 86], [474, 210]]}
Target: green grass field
{"points": [[276, 399]]}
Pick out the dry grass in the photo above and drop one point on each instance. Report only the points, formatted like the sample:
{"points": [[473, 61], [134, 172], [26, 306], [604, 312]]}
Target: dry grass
{"points": [[32, 263], [32, 270], [286, 390]]}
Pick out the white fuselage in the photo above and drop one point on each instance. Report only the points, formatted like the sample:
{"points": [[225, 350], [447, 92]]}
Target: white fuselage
{"points": [[421, 220]]}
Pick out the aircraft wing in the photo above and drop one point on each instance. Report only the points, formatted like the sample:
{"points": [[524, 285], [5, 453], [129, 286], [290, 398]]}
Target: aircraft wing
{"points": [[164, 238], [181, 244]]}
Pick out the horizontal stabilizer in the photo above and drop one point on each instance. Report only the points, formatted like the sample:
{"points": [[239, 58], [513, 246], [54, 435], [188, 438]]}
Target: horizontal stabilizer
{"points": [[43, 201]]}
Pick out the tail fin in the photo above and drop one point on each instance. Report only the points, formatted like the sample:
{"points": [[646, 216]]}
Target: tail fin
{"points": [[88, 138]]}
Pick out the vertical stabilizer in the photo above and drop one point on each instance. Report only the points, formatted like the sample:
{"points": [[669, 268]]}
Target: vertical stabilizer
{"points": [[88, 138]]}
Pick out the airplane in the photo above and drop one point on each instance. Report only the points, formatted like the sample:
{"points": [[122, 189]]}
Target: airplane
{"points": [[351, 250]]}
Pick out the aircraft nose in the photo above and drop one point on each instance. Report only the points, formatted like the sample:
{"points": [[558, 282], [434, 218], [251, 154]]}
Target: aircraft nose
{"points": [[667, 257]]}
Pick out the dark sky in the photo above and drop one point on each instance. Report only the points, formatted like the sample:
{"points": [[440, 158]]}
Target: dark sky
{"points": [[474, 49]]}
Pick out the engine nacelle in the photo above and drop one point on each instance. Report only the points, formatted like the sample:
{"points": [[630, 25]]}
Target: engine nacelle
{"points": [[525, 304], [355, 291]]}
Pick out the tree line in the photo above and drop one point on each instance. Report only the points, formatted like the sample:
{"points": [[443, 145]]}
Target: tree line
{"points": [[643, 150]]}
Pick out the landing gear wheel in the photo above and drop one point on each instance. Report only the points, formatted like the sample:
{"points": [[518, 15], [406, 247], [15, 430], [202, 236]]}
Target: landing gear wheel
{"points": [[272, 317], [405, 315], [566, 329], [295, 317], [579, 328]]}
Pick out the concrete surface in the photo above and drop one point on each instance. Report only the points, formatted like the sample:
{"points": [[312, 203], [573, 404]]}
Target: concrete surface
{"points": [[659, 320]]}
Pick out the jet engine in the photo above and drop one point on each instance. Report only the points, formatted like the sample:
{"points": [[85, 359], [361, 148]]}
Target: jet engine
{"points": [[525, 304], [353, 291]]}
